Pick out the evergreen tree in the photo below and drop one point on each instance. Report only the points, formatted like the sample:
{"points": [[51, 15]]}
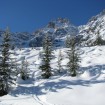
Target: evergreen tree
{"points": [[6, 66], [24, 70], [67, 42], [73, 56], [60, 58], [98, 40], [20, 45], [47, 56]]}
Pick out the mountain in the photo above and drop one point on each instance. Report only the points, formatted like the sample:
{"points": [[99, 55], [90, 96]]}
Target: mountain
{"points": [[57, 29], [95, 26], [60, 28], [19, 39]]}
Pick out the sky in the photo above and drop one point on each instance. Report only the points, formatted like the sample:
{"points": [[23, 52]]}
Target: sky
{"points": [[30, 15]]}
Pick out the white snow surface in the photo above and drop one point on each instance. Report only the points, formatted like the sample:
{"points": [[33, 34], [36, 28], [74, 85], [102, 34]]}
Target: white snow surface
{"points": [[88, 88]]}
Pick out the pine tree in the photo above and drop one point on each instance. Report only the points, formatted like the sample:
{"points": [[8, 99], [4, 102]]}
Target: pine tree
{"points": [[47, 56], [20, 45], [98, 40], [73, 56], [60, 58], [67, 42], [6, 66], [24, 70]]}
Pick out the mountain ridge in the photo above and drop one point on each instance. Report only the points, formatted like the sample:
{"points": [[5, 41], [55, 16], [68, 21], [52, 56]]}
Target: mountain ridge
{"points": [[59, 29]]}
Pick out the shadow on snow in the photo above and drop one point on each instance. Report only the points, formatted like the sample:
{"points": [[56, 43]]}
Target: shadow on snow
{"points": [[53, 86]]}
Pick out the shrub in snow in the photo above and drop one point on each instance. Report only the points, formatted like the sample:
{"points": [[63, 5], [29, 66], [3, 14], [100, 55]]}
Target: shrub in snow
{"points": [[3, 88], [24, 70], [60, 57]]}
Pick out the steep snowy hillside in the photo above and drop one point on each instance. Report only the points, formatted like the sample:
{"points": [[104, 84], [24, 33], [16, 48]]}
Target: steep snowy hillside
{"points": [[95, 26], [88, 88]]}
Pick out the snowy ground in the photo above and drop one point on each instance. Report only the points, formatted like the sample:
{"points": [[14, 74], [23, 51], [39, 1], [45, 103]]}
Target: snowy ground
{"points": [[87, 88]]}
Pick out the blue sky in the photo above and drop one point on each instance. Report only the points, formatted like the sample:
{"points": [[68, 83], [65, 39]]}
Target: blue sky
{"points": [[29, 15]]}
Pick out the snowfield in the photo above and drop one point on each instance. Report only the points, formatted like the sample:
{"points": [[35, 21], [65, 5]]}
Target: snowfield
{"points": [[88, 88]]}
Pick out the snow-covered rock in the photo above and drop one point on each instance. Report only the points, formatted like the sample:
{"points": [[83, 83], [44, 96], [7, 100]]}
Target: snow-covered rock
{"points": [[95, 26]]}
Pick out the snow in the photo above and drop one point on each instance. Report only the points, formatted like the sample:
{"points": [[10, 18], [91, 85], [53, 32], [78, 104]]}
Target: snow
{"points": [[88, 88], [90, 31], [79, 95]]}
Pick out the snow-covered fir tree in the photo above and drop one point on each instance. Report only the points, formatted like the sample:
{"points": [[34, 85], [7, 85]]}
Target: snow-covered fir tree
{"points": [[46, 57], [73, 56], [60, 58], [24, 70], [7, 68], [98, 40], [67, 41]]}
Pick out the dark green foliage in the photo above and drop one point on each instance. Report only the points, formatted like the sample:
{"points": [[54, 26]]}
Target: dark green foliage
{"points": [[73, 56], [67, 42], [99, 40], [6, 65], [47, 56], [60, 58], [24, 70], [2, 89]]}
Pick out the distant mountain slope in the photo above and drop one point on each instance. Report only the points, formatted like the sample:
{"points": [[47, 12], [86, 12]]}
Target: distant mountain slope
{"points": [[96, 25], [18, 39], [58, 30]]}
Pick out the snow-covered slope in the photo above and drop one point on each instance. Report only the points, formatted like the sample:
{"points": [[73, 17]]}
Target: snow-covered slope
{"points": [[96, 25], [61, 89]]}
